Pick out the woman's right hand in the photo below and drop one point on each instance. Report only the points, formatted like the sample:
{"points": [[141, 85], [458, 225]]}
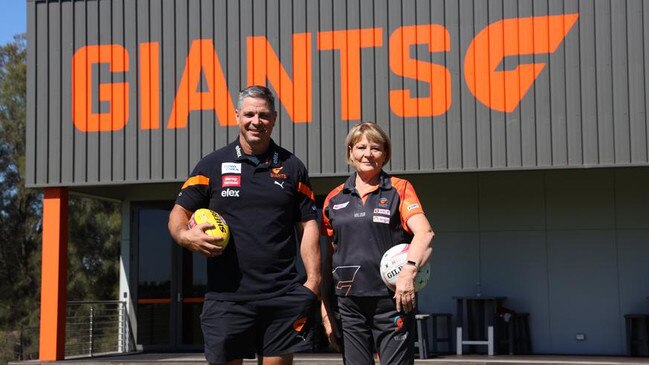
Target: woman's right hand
{"points": [[404, 295]]}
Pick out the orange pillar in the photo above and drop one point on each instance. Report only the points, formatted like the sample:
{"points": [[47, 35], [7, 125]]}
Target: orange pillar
{"points": [[54, 274]]}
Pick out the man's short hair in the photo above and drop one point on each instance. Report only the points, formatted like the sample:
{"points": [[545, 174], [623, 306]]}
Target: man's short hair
{"points": [[257, 92]]}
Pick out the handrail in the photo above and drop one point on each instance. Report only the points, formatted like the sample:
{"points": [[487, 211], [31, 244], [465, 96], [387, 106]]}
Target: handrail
{"points": [[77, 302], [97, 326], [92, 327]]}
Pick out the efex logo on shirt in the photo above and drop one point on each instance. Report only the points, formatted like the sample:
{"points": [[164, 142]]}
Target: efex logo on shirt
{"points": [[230, 193]]}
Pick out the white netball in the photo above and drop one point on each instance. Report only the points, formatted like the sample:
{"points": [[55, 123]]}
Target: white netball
{"points": [[392, 262]]}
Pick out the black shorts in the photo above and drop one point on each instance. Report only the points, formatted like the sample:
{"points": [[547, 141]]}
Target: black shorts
{"points": [[373, 324], [269, 327]]}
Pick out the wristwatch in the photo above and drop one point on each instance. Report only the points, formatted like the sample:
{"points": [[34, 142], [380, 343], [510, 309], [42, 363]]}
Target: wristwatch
{"points": [[410, 262]]}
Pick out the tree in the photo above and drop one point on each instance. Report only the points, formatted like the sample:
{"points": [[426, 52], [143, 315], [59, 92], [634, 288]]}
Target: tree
{"points": [[20, 208], [20, 223], [94, 225], [93, 249]]}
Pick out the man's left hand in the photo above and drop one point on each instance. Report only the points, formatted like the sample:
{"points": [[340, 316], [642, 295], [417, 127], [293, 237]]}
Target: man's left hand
{"points": [[314, 286]]}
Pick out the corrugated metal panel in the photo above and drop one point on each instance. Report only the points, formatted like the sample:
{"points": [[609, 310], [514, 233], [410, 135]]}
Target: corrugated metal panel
{"points": [[637, 94], [586, 108], [30, 128]]}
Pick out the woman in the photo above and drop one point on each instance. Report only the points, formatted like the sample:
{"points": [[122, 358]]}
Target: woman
{"points": [[363, 218]]}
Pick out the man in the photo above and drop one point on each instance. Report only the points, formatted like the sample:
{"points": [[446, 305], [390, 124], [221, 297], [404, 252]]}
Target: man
{"points": [[254, 303]]}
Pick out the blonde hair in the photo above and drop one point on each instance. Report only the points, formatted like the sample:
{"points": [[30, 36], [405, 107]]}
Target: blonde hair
{"points": [[374, 133]]}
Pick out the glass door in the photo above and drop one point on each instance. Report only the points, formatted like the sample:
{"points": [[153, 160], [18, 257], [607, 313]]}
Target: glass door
{"points": [[192, 284], [170, 284]]}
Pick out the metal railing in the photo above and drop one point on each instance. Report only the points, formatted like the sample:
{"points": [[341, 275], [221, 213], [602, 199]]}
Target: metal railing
{"points": [[97, 327], [92, 327]]}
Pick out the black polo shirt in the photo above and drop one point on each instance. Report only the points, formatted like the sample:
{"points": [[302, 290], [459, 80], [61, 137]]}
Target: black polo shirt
{"points": [[363, 230], [261, 199]]}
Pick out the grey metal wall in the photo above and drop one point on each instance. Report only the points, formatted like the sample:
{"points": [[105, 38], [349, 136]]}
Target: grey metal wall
{"points": [[587, 107]]}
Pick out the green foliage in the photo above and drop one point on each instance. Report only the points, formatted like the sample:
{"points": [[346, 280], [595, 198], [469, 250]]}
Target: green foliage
{"points": [[20, 208], [93, 249]]}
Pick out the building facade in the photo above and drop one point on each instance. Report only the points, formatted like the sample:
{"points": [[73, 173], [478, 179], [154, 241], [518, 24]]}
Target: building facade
{"points": [[522, 125]]}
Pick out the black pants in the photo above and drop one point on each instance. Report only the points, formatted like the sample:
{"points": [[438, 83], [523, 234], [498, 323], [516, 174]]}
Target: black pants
{"points": [[270, 327], [373, 323]]}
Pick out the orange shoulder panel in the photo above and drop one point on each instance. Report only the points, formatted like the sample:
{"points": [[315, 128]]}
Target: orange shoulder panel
{"points": [[410, 204], [304, 189], [326, 229], [196, 180]]}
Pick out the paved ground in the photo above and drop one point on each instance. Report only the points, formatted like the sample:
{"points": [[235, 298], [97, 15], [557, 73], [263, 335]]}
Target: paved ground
{"points": [[335, 359]]}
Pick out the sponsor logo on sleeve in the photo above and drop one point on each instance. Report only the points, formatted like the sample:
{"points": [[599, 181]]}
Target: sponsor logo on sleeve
{"points": [[230, 168], [380, 219], [381, 211], [340, 206], [231, 180], [413, 206]]}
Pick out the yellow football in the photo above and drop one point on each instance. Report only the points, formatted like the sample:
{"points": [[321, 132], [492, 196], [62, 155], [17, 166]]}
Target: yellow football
{"points": [[220, 229]]}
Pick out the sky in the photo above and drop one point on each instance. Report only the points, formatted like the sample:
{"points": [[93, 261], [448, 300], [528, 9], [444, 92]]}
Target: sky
{"points": [[13, 19]]}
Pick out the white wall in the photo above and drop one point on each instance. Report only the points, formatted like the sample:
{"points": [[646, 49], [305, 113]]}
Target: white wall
{"points": [[571, 247]]}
